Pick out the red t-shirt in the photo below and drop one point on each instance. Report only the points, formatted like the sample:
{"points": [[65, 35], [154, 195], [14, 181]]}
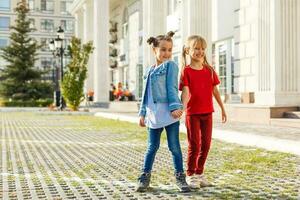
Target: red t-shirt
{"points": [[200, 84]]}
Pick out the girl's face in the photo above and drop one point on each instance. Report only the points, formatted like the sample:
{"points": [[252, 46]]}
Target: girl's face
{"points": [[163, 52], [197, 52]]}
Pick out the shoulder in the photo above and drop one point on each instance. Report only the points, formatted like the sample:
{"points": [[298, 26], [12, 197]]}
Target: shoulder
{"points": [[187, 69], [210, 68], [148, 68], [170, 63]]}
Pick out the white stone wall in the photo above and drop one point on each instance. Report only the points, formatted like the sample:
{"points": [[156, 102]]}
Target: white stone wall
{"points": [[265, 34], [245, 49], [223, 19], [278, 52]]}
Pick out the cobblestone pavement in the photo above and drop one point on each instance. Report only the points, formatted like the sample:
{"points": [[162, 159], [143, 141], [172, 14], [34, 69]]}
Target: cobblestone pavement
{"points": [[79, 157]]}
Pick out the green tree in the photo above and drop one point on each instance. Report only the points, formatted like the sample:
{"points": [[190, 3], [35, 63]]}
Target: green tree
{"points": [[20, 79], [73, 80]]}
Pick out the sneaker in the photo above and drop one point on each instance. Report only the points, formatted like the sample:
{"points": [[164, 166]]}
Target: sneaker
{"points": [[143, 182], [181, 182], [193, 181], [203, 181]]}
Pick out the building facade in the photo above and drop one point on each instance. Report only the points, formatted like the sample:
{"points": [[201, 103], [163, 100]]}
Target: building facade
{"points": [[254, 45], [46, 16]]}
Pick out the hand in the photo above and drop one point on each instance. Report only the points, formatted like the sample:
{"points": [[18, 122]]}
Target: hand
{"points": [[224, 116], [176, 113], [142, 122]]}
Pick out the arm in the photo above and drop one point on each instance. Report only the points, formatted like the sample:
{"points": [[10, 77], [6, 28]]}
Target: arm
{"points": [[142, 110], [172, 86], [185, 97], [217, 96]]}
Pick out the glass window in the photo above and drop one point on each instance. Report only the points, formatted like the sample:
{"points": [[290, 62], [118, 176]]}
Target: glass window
{"points": [[4, 23], [47, 25], [4, 4], [3, 42], [222, 69], [67, 25], [32, 23], [47, 5], [45, 44], [31, 4], [64, 7], [47, 65]]}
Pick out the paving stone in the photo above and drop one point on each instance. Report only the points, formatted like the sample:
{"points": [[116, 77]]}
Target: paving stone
{"points": [[61, 157]]}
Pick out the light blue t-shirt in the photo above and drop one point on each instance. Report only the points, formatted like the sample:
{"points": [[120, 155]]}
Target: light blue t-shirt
{"points": [[157, 114]]}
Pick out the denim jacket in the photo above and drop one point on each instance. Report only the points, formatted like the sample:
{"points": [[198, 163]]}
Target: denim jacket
{"points": [[164, 86]]}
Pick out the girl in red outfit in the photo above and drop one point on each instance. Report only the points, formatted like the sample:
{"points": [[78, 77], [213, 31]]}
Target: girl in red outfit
{"points": [[198, 84]]}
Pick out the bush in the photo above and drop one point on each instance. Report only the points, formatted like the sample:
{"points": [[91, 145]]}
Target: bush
{"points": [[28, 103], [73, 81]]}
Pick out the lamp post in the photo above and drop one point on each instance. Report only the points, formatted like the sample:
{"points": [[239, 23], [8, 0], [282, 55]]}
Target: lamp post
{"points": [[56, 46]]}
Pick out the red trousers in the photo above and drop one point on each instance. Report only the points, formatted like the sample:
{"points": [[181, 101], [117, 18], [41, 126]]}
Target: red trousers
{"points": [[199, 131]]}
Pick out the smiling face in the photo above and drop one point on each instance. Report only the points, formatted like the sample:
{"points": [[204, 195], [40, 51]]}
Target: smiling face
{"points": [[197, 51], [163, 52]]}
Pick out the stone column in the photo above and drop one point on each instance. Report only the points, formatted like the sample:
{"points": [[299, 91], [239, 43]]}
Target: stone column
{"points": [[101, 51], [196, 19], [278, 62], [154, 23], [87, 9]]}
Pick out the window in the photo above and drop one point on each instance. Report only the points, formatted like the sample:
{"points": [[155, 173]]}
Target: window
{"points": [[32, 23], [47, 6], [222, 69], [4, 4], [46, 62], [67, 25], [3, 42], [47, 25], [64, 7], [45, 44], [47, 66], [31, 4], [4, 23]]}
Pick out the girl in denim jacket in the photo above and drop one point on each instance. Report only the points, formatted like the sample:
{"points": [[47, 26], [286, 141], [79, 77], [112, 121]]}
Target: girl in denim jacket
{"points": [[161, 109]]}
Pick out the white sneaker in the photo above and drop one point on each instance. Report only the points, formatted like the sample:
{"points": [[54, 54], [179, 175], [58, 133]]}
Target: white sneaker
{"points": [[203, 181], [193, 181]]}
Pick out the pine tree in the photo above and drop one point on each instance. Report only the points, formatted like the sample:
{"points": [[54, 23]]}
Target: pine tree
{"points": [[21, 80]]}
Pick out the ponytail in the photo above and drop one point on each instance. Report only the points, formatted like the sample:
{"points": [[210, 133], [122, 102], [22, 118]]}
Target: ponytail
{"points": [[154, 41], [170, 34]]}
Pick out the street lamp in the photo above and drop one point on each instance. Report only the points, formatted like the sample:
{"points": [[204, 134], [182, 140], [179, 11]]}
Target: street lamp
{"points": [[56, 46]]}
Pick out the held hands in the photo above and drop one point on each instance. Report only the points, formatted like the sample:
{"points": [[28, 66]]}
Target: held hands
{"points": [[142, 121], [177, 113]]}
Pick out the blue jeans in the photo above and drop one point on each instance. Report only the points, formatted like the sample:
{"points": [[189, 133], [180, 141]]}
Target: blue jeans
{"points": [[173, 144]]}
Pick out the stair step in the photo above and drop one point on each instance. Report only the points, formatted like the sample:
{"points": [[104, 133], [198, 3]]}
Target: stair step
{"points": [[285, 122], [292, 115]]}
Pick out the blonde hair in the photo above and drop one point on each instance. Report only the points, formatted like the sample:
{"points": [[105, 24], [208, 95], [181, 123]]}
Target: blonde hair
{"points": [[192, 41]]}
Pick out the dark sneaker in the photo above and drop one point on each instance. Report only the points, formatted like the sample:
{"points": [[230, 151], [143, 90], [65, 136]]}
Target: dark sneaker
{"points": [[181, 182], [143, 182]]}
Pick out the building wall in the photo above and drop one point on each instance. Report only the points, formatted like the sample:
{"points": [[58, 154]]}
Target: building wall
{"points": [[260, 39], [38, 15]]}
